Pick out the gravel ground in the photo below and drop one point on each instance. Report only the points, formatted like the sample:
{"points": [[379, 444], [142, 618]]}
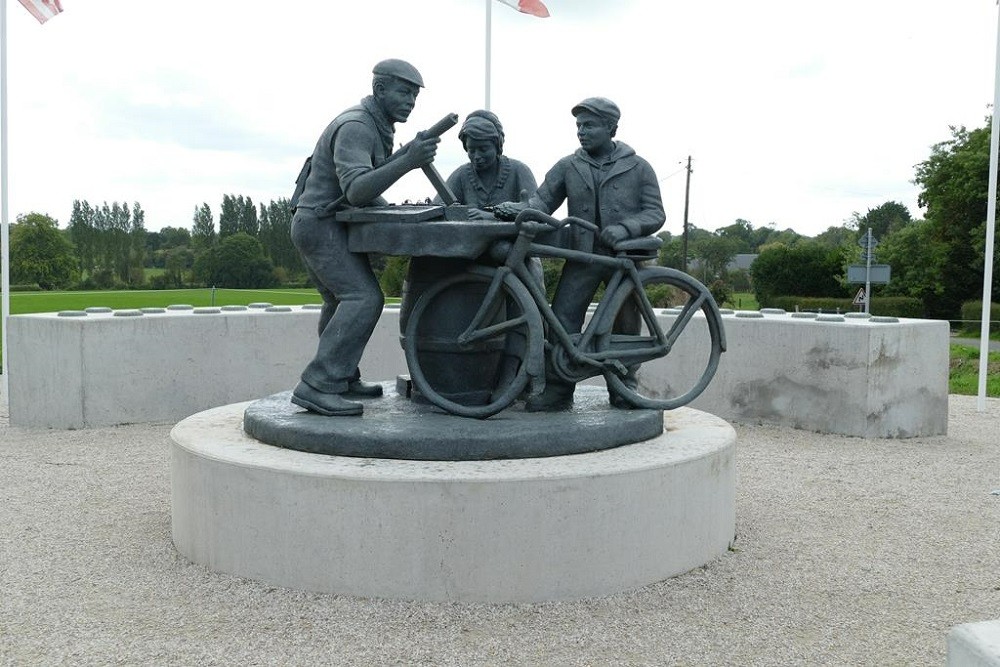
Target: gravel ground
{"points": [[849, 551]]}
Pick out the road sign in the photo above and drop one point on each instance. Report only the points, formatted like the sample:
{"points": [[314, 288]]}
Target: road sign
{"points": [[880, 274], [860, 298]]}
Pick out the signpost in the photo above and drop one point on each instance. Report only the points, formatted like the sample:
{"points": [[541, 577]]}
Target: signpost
{"points": [[867, 273]]}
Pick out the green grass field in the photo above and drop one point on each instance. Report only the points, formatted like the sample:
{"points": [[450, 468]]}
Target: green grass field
{"points": [[741, 301], [963, 372], [47, 302]]}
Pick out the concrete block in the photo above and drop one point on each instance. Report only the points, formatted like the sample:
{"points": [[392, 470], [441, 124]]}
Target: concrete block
{"points": [[849, 376], [974, 645], [102, 369]]}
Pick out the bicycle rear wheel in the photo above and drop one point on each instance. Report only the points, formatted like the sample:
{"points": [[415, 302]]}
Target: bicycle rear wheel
{"points": [[637, 333], [468, 339]]}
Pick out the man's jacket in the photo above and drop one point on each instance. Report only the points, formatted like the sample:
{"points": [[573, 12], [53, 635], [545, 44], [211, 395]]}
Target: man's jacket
{"points": [[627, 194]]}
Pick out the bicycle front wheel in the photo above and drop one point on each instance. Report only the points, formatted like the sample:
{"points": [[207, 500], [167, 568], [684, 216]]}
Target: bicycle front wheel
{"points": [[638, 340], [468, 339]]}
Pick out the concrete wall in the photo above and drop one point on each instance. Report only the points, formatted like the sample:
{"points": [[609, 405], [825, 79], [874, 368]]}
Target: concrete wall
{"points": [[861, 377], [855, 377], [101, 369]]}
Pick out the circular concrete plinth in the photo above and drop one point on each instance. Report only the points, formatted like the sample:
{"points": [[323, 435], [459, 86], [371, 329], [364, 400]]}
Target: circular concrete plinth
{"points": [[520, 530], [395, 427]]}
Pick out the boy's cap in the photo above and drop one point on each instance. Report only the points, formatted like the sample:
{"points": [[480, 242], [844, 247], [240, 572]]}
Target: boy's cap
{"points": [[399, 69], [602, 106]]}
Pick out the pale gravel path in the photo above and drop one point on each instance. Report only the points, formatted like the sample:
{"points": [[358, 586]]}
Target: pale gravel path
{"points": [[850, 551]]}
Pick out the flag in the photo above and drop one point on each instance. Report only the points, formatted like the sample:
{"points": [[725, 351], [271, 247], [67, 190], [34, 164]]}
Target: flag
{"points": [[42, 10], [533, 7]]}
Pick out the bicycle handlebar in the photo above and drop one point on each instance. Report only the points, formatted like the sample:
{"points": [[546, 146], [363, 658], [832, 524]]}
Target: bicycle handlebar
{"points": [[534, 215]]}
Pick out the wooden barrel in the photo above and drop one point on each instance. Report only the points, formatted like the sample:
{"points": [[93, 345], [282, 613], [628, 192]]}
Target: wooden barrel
{"points": [[464, 375]]}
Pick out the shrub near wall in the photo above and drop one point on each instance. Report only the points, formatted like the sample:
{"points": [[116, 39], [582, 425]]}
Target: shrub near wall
{"points": [[972, 317], [890, 306]]}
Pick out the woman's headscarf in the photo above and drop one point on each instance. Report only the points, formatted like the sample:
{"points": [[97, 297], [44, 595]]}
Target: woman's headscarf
{"points": [[482, 125]]}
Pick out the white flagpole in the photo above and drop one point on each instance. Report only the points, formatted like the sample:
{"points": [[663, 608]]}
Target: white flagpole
{"points": [[4, 227], [489, 49], [991, 217]]}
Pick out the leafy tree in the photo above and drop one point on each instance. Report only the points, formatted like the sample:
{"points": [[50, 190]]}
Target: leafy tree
{"points": [[916, 258], [236, 262], [83, 235], [39, 253], [229, 217], [955, 179], [714, 253], [137, 246], [248, 221], [174, 237], [112, 240], [203, 228], [671, 252], [835, 237], [804, 269], [741, 233], [277, 238], [884, 219]]}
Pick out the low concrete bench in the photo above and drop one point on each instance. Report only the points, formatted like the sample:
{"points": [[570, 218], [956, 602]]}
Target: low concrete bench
{"points": [[831, 374]]}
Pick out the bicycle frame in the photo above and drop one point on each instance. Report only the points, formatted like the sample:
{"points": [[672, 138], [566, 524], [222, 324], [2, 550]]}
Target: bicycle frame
{"points": [[624, 275]]}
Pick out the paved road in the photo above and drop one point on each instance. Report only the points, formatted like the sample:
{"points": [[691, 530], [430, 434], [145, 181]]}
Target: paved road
{"points": [[974, 342]]}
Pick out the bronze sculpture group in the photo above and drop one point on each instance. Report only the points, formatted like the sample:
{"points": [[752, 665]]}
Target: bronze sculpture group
{"points": [[604, 184]]}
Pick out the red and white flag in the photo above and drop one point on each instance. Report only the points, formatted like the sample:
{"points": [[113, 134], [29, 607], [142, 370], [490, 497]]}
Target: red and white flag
{"points": [[533, 7], [42, 10]]}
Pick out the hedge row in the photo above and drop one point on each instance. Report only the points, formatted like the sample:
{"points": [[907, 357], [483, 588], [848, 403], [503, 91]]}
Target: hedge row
{"points": [[972, 316]]}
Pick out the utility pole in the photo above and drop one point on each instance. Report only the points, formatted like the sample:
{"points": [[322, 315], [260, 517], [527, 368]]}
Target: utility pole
{"points": [[687, 196]]}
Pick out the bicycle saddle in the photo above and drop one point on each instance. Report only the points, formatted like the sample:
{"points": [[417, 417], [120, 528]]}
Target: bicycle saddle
{"points": [[642, 248]]}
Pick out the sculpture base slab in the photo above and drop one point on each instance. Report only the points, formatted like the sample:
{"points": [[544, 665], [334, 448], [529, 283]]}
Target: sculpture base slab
{"points": [[396, 427], [517, 530]]}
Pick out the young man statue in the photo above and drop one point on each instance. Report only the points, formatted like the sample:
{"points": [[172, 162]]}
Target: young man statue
{"points": [[604, 182], [350, 167]]}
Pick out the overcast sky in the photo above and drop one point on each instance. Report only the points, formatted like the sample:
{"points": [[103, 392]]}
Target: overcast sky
{"points": [[796, 113]]}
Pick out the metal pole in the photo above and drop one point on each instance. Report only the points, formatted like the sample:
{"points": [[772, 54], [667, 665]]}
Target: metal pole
{"points": [[868, 272], [687, 195], [4, 223], [489, 49], [991, 218]]}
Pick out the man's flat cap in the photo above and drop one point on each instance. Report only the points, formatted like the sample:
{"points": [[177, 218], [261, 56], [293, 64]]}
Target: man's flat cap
{"points": [[602, 106], [399, 69]]}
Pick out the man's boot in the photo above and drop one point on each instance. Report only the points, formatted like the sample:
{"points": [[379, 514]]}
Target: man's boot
{"points": [[361, 389], [330, 405], [556, 398]]}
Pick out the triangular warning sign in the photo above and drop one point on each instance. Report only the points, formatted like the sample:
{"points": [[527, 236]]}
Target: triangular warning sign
{"points": [[860, 298]]}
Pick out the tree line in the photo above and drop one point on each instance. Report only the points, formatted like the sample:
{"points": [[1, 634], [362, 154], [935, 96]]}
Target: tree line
{"points": [[107, 246], [936, 261]]}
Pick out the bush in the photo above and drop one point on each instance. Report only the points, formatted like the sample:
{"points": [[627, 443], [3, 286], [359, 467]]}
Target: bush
{"points": [[32, 287], [972, 317], [720, 291], [664, 296], [392, 275]]}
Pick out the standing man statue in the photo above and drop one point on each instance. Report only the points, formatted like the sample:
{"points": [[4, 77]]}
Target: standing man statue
{"points": [[350, 166], [604, 182]]}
